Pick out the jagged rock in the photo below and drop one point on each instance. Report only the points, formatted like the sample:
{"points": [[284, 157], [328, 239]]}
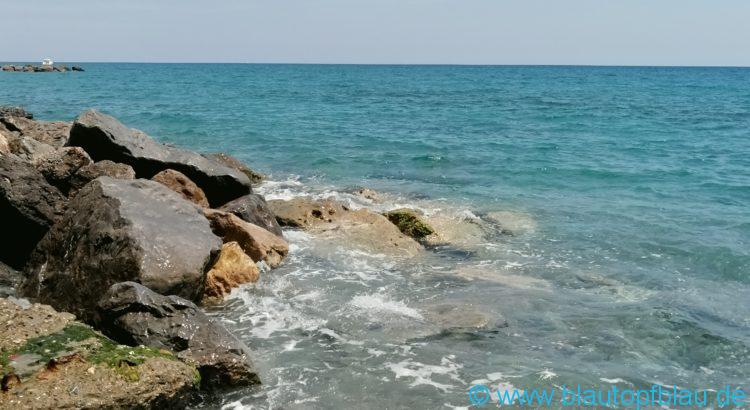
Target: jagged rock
{"points": [[135, 315], [232, 268], [255, 177], [27, 148], [178, 182], [9, 280], [55, 362], [254, 209], [4, 147], [93, 171], [7, 111], [54, 133], [29, 205], [103, 137], [258, 243], [334, 221], [59, 166], [409, 223], [117, 230]]}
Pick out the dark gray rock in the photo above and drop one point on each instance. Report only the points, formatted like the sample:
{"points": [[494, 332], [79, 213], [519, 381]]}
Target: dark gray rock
{"points": [[9, 280], [135, 315], [117, 230], [103, 137], [93, 171], [59, 166], [254, 209], [77, 68], [29, 206], [8, 111], [225, 159]]}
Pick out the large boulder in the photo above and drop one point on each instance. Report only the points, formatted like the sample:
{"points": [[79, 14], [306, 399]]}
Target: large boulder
{"points": [[135, 315], [178, 182], [335, 222], [103, 137], [51, 361], [409, 223], [253, 208], [232, 268], [58, 167], [118, 230], [90, 172], [54, 133], [258, 243], [255, 177], [29, 206]]}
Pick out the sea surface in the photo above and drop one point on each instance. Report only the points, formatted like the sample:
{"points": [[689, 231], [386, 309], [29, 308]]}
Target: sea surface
{"points": [[599, 220]]}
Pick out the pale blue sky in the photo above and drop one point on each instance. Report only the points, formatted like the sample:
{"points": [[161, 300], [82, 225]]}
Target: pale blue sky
{"points": [[607, 32]]}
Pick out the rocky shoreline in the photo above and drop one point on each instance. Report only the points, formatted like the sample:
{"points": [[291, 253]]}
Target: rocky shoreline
{"points": [[30, 68], [112, 243]]}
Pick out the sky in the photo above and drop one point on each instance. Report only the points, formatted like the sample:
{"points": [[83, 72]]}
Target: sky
{"points": [[586, 32]]}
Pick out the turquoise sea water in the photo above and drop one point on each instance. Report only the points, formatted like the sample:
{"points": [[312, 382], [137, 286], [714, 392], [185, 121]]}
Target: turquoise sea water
{"points": [[603, 212]]}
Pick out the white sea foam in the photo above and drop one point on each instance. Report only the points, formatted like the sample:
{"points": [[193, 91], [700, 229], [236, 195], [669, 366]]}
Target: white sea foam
{"points": [[424, 374], [380, 304]]}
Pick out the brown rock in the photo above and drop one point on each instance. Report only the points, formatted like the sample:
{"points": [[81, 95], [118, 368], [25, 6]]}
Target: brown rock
{"points": [[54, 133], [178, 182], [233, 268], [334, 221], [4, 147], [258, 243], [93, 171], [59, 166]]}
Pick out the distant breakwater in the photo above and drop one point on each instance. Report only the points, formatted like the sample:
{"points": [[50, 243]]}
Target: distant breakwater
{"points": [[30, 68]]}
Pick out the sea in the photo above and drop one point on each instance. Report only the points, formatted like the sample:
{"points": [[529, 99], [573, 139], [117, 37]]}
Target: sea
{"points": [[598, 222]]}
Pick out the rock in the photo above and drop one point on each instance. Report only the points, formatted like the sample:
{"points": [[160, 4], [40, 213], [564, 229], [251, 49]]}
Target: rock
{"points": [[4, 147], [103, 137], [368, 194], [255, 177], [29, 206], [178, 182], [8, 68], [90, 172], [253, 208], [8, 111], [117, 230], [334, 221], [54, 133], [258, 243], [27, 148], [59, 166], [56, 362], [409, 223], [77, 68], [9, 280], [233, 268], [133, 314], [451, 317]]}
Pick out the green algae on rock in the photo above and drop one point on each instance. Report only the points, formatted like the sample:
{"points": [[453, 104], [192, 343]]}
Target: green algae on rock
{"points": [[409, 223]]}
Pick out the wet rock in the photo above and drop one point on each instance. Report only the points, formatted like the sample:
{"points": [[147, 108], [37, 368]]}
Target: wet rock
{"points": [[103, 137], [55, 362], [133, 314], [512, 223], [255, 177], [178, 182], [368, 194], [58, 167], [29, 206], [77, 68], [334, 221], [409, 223], [451, 317], [258, 243], [90, 172], [232, 268], [253, 208], [54, 133], [117, 230], [7, 111]]}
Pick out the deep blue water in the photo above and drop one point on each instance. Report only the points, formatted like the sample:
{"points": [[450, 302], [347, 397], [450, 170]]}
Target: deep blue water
{"points": [[636, 182]]}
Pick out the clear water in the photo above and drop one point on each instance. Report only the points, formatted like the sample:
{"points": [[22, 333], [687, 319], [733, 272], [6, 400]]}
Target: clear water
{"points": [[626, 190]]}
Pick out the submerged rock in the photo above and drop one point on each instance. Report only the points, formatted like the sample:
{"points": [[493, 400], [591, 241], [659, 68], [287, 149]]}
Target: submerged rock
{"points": [[255, 177], [117, 230], [232, 268], [409, 223], [133, 314], [29, 206], [103, 137], [178, 182], [55, 362], [258, 243], [253, 208], [58, 167], [334, 221]]}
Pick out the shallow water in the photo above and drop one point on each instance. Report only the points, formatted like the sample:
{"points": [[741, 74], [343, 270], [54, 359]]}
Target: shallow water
{"points": [[598, 218]]}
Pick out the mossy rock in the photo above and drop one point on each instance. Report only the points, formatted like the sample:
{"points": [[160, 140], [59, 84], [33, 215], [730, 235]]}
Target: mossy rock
{"points": [[409, 223]]}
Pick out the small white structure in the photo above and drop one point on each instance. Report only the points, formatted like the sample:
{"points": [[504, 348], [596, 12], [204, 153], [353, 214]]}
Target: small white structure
{"points": [[47, 61]]}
